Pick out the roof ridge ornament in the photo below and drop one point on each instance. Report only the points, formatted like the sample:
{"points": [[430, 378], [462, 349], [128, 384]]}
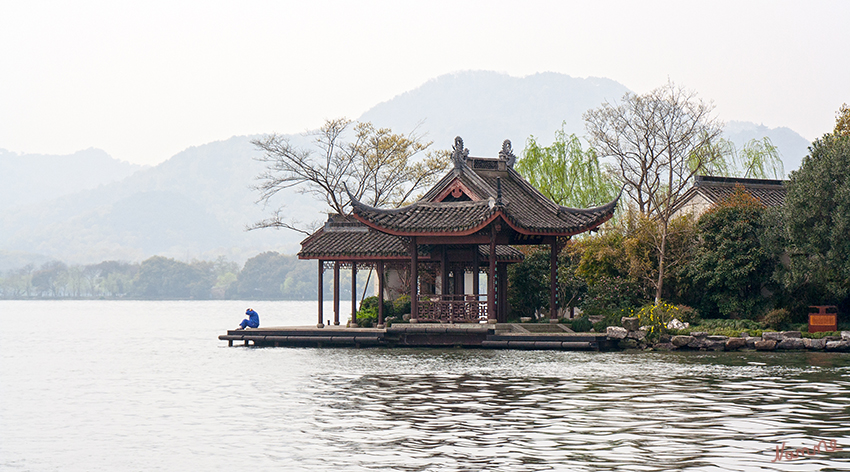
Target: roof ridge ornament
{"points": [[459, 153], [507, 153]]}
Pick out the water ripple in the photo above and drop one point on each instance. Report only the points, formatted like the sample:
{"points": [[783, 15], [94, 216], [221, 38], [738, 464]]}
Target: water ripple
{"points": [[112, 392]]}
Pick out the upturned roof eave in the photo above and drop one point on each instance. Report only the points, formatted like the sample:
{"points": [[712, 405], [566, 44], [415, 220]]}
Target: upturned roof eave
{"points": [[499, 213]]}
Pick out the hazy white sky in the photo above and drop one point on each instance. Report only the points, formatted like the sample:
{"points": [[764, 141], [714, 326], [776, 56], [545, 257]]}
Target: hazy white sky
{"points": [[145, 80]]}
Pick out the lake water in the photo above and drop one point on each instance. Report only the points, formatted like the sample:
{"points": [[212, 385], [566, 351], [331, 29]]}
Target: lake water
{"points": [[132, 385]]}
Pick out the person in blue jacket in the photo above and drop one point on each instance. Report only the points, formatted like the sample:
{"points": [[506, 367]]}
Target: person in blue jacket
{"points": [[252, 320]]}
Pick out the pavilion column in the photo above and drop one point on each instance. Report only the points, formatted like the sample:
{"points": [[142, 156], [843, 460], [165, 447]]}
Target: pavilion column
{"points": [[381, 294], [414, 281], [444, 272], [491, 280], [321, 323], [336, 293], [553, 282], [475, 268], [502, 305], [354, 293]]}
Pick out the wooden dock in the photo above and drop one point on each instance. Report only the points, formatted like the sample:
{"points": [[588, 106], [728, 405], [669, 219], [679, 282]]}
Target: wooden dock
{"points": [[487, 336]]}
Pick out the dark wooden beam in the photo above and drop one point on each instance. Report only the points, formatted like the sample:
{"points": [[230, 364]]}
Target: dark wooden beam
{"points": [[381, 294], [502, 306], [414, 281], [336, 293], [491, 280], [321, 323], [476, 265], [553, 280], [354, 293], [444, 272]]}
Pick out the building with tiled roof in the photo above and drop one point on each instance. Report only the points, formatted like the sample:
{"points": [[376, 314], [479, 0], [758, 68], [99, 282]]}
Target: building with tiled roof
{"points": [[467, 222], [708, 191]]}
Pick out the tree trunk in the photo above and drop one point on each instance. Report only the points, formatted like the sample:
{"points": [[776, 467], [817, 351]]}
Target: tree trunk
{"points": [[659, 286]]}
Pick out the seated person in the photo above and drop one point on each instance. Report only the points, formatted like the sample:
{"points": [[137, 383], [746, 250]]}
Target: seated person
{"points": [[251, 321]]}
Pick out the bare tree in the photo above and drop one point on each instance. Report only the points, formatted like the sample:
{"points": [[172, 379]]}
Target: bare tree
{"points": [[377, 166], [658, 142]]}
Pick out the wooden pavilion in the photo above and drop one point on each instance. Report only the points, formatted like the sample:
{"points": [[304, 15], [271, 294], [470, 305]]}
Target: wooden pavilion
{"points": [[468, 222]]}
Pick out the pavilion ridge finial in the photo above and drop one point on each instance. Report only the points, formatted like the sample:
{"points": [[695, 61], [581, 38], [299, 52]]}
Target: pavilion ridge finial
{"points": [[459, 153], [507, 153]]}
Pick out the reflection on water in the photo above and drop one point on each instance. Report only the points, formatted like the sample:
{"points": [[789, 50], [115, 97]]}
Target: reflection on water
{"points": [[123, 395]]}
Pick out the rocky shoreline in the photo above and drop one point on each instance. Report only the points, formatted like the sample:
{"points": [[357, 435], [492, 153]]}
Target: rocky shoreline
{"points": [[631, 336]]}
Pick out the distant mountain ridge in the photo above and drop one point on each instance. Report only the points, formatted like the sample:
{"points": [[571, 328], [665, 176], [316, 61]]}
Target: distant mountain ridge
{"points": [[485, 108], [89, 207], [33, 178]]}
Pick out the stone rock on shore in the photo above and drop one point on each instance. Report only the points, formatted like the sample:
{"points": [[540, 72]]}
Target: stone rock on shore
{"points": [[818, 344], [733, 344], [681, 341], [616, 332], [791, 343], [640, 335], [772, 336], [751, 341], [791, 334], [676, 324], [630, 323], [845, 335], [842, 345], [765, 345]]}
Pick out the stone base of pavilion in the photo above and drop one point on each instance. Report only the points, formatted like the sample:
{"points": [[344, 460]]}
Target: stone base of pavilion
{"points": [[461, 335]]}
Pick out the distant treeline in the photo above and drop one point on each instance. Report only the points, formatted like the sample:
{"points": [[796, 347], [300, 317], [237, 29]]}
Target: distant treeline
{"points": [[267, 276]]}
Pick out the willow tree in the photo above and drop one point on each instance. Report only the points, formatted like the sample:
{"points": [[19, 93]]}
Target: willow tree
{"points": [[375, 165], [565, 173], [657, 142], [757, 159]]}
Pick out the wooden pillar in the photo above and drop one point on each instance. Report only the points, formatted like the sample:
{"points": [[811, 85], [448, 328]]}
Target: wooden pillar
{"points": [[444, 272], [502, 304], [336, 293], [476, 267], [353, 293], [414, 281], [491, 279], [553, 282], [381, 294], [321, 323]]}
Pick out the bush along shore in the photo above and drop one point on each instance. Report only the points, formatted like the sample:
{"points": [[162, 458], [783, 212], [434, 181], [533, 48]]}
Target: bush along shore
{"points": [[631, 335]]}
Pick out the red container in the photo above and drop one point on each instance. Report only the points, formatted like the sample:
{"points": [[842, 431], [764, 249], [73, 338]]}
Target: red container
{"points": [[826, 319]]}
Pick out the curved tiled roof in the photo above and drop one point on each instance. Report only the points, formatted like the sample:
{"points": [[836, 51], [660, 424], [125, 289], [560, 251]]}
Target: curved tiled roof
{"points": [[344, 237], [504, 192], [771, 193]]}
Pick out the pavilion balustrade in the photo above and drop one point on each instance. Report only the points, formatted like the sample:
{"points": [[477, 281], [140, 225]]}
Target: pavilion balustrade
{"points": [[453, 308]]}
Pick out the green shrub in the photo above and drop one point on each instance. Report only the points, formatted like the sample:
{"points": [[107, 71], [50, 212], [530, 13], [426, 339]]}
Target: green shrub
{"points": [[687, 314], [821, 334], [656, 317], [611, 319], [610, 294], [401, 306], [777, 319], [367, 316], [581, 324], [371, 304]]}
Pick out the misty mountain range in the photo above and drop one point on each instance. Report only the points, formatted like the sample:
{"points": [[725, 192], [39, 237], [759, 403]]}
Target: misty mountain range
{"points": [[89, 207]]}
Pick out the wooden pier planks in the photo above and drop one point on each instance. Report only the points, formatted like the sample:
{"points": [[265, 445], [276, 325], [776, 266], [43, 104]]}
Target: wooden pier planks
{"points": [[488, 336]]}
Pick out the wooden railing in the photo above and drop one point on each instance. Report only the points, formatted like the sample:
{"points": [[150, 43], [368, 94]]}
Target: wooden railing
{"points": [[453, 308]]}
